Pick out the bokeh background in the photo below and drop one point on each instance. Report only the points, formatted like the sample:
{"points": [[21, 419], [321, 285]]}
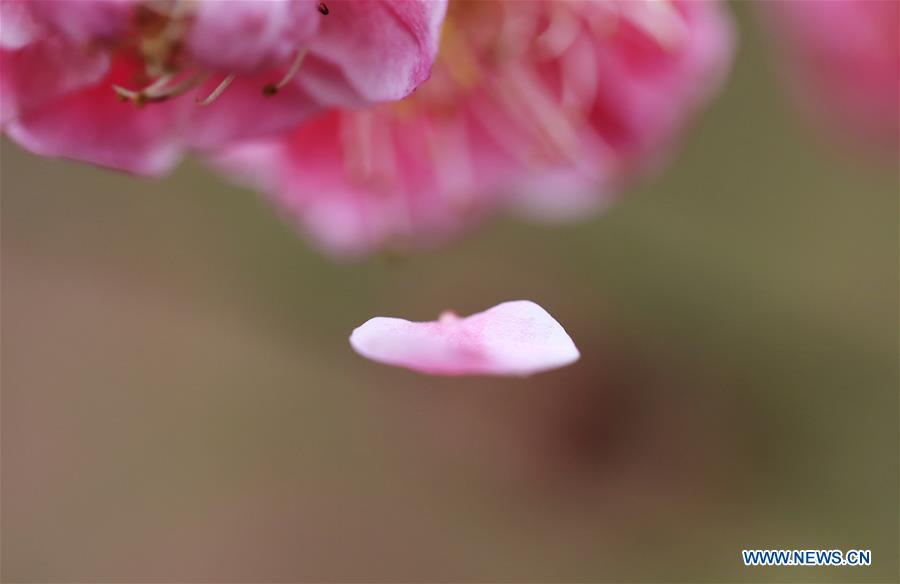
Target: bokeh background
{"points": [[180, 403]]}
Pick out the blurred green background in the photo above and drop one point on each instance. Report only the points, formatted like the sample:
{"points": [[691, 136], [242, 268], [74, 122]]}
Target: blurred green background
{"points": [[180, 402]]}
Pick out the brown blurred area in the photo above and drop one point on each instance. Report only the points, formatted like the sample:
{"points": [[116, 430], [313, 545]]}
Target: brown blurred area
{"points": [[180, 403]]}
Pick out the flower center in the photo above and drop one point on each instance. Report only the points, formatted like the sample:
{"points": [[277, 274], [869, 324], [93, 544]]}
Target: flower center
{"points": [[160, 27]]}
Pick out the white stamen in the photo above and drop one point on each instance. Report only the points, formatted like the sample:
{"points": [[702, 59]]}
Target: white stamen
{"points": [[126, 94], [272, 89], [158, 84], [218, 91], [157, 91]]}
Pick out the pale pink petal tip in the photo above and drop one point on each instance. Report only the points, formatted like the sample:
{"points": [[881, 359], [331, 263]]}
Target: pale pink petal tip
{"points": [[512, 338]]}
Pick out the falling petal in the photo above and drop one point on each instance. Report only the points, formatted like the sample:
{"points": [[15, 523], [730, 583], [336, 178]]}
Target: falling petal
{"points": [[515, 338]]}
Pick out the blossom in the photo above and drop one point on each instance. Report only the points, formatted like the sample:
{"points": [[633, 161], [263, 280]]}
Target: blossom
{"points": [[844, 62], [131, 84], [545, 107], [512, 338]]}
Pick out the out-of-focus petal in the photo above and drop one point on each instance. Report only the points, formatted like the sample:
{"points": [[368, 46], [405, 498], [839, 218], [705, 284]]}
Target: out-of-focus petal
{"points": [[338, 215], [85, 21], [17, 26], [373, 50], [367, 183], [843, 63], [563, 194], [513, 338], [650, 87], [241, 36], [546, 107]]}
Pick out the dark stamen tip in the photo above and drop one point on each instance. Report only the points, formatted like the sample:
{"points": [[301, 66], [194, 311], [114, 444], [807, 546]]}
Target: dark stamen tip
{"points": [[270, 90], [323, 8]]}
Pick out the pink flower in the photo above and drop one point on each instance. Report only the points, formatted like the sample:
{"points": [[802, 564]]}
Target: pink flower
{"points": [[845, 62], [512, 338], [117, 82], [542, 106]]}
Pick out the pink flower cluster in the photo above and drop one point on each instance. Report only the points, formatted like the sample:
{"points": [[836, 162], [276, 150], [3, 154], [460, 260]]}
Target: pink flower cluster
{"points": [[132, 84], [544, 107]]}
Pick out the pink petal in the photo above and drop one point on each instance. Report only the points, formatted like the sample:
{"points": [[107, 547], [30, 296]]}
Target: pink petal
{"points": [[33, 75], [649, 89], [337, 215], [92, 125], [842, 60], [372, 50], [512, 338], [336, 207], [17, 25], [241, 36], [575, 194], [243, 112], [85, 21]]}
